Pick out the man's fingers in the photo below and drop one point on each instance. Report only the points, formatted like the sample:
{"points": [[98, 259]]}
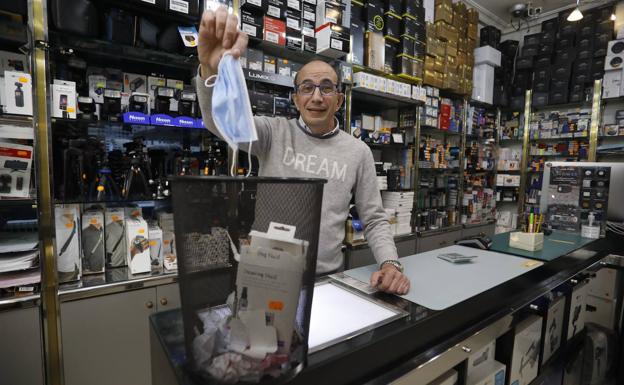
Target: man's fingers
{"points": [[404, 286], [221, 17], [374, 281], [229, 35], [207, 27], [396, 282], [388, 277], [240, 45]]}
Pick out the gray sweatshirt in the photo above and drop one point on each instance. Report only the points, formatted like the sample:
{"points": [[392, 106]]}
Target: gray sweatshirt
{"points": [[285, 149]]}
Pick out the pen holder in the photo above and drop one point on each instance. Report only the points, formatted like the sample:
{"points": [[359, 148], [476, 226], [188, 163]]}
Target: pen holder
{"points": [[526, 241]]}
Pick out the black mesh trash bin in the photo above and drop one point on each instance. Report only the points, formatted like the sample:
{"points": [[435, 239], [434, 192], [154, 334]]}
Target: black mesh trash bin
{"points": [[247, 252]]}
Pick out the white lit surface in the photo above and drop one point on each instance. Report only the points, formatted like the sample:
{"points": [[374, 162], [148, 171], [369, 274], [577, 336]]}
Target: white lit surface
{"points": [[338, 313], [576, 15]]}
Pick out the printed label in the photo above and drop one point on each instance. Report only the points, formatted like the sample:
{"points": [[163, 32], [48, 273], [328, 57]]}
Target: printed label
{"points": [[249, 29], [309, 15], [149, 1], [292, 23], [336, 44], [272, 37], [188, 35], [257, 3], [273, 11], [294, 4], [179, 6]]}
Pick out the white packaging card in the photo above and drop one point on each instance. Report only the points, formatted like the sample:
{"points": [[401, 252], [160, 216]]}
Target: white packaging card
{"points": [[18, 93], [15, 164]]}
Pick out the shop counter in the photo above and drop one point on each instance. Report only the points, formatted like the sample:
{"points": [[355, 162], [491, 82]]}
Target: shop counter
{"points": [[388, 352]]}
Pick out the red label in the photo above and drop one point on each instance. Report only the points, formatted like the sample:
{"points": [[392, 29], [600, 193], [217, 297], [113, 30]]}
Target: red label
{"points": [[15, 152]]}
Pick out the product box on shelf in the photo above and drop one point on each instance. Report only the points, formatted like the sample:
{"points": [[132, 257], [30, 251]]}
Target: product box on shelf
{"points": [[184, 7], [293, 20], [67, 228], [309, 44], [255, 59], [153, 83], [491, 373], [251, 23], [251, 5], [357, 41], [375, 51], [269, 64], [170, 259], [17, 93], [480, 358], [115, 232], [275, 9], [10, 61], [134, 82], [307, 28], [487, 55], [284, 67], [274, 30], [16, 161], [92, 235], [294, 40], [333, 40], [578, 301], [521, 347], [483, 80], [137, 245], [553, 328], [392, 27], [63, 99], [329, 11], [156, 246], [374, 16]]}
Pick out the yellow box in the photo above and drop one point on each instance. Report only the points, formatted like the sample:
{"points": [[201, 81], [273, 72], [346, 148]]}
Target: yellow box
{"points": [[473, 16], [446, 32], [444, 13], [451, 51], [440, 64], [526, 241], [446, 3], [429, 63], [461, 9], [472, 31]]}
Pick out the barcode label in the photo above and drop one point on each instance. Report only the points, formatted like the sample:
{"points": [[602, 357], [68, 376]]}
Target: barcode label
{"points": [[292, 23], [273, 11], [307, 32], [294, 4], [249, 29], [179, 6], [309, 15], [257, 3], [149, 1], [336, 44], [272, 37]]}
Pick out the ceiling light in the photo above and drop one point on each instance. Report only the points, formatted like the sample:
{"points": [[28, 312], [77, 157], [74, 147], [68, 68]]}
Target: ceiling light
{"points": [[613, 16], [576, 15]]}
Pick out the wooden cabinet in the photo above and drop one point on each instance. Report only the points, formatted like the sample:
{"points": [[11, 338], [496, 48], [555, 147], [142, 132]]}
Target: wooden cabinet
{"points": [[21, 360], [106, 338]]}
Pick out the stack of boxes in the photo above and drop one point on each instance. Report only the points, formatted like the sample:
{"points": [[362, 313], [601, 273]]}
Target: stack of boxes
{"points": [[504, 94], [432, 107], [613, 86], [450, 43], [389, 36], [487, 58], [321, 28], [401, 203]]}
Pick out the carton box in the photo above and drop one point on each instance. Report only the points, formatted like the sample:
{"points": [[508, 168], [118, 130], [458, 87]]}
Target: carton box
{"points": [[134, 83], [553, 328], [333, 40], [578, 300], [137, 245], [15, 170], [115, 236], [252, 23], [274, 30], [93, 247], [275, 8], [67, 224], [18, 93], [156, 246], [521, 347], [329, 11], [375, 51], [63, 99]]}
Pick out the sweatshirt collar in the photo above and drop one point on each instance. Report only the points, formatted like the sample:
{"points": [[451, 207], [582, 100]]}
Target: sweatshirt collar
{"points": [[307, 129]]}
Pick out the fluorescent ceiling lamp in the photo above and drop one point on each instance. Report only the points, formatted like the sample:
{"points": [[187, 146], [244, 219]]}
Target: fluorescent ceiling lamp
{"points": [[613, 16], [576, 15]]}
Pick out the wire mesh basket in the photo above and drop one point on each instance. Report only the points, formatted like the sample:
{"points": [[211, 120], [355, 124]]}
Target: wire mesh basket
{"points": [[247, 252]]}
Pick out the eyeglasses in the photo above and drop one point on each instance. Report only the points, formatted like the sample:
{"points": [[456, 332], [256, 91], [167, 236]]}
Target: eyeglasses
{"points": [[326, 88]]}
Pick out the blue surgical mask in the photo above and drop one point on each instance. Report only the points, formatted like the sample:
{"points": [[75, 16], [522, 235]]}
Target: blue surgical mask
{"points": [[231, 109]]}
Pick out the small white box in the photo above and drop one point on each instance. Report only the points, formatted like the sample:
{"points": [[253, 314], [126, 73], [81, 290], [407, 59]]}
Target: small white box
{"points": [[137, 245], [483, 83], [500, 179], [333, 40], [526, 241], [97, 85], [487, 55], [154, 82], [612, 84], [10, 61], [604, 284], [63, 99], [368, 122], [15, 165], [554, 328], [67, 226], [18, 93], [526, 349], [156, 246], [491, 373], [480, 358], [577, 309], [134, 83], [170, 259], [115, 231], [93, 242]]}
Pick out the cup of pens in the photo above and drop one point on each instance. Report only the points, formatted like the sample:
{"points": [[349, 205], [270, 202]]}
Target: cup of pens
{"points": [[532, 237]]}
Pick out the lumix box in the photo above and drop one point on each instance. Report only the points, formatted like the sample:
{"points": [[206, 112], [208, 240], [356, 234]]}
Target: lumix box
{"points": [[307, 28], [329, 11], [294, 5], [294, 40], [275, 8], [293, 19], [251, 23], [251, 5], [184, 7], [255, 59], [309, 44], [274, 30], [333, 40]]}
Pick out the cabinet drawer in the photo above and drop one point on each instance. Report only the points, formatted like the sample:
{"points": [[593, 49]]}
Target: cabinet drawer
{"points": [[168, 296], [488, 230], [438, 241]]}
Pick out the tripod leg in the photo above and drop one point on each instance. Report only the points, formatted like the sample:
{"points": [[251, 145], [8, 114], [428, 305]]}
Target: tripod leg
{"points": [[146, 189]]}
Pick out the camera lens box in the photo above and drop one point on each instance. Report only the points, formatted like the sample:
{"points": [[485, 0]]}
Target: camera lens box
{"points": [[255, 59], [67, 226], [309, 13], [18, 93], [137, 245], [156, 246], [309, 44], [294, 40], [92, 236], [274, 30], [115, 231], [275, 8], [333, 40], [329, 11], [307, 28], [251, 5], [374, 16], [63, 99], [284, 67], [270, 64], [293, 19], [251, 23], [295, 5], [357, 41], [392, 28]]}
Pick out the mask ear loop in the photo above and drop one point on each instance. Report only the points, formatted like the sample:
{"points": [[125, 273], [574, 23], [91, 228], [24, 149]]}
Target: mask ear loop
{"points": [[210, 81], [234, 157], [249, 161]]}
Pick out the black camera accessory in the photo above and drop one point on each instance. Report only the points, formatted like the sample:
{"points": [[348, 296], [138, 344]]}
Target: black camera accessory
{"points": [[119, 26], [112, 105], [139, 103], [76, 16], [135, 181], [19, 95], [16, 165], [163, 99], [187, 105], [148, 33], [86, 108], [5, 183]]}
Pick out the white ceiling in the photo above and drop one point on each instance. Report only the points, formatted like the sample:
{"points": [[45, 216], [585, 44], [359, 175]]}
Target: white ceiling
{"points": [[498, 10]]}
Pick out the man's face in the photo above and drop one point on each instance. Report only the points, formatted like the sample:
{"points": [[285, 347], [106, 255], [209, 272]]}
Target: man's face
{"points": [[318, 108]]}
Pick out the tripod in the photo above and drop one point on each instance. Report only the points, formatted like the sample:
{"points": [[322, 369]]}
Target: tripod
{"points": [[135, 181], [103, 186]]}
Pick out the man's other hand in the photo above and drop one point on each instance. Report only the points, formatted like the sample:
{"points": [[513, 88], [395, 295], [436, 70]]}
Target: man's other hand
{"points": [[390, 280], [218, 33]]}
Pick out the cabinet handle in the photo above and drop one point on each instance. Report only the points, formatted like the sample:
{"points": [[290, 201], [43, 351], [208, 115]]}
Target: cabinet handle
{"points": [[149, 304], [466, 349], [163, 301]]}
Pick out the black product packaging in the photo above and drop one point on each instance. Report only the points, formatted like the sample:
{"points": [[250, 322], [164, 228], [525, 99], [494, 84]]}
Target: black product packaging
{"points": [[406, 47], [309, 44], [565, 55], [392, 30], [275, 8], [523, 79], [419, 50], [311, 2], [581, 78], [357, 41], [561, 71], [586, 30], [491, 36], [541, 61], [541, 74], [408, 27], [293, 20], [530, 50], [540, 99], [601, 43], [546, 49], [585, 43], [558, 97], [252, 23], [153, 4], [509, 48], [255, 59], [584, 54], [404, 65], [550, 25], [533, 39], [558, 86], [597, 70], [393, 7], [524, 63], [281, 106], [309, 13], [390, 54], [183, 7], [375, 16], [329, 12], [120, 26], [409, 9], [541, 85], [582, 67], [565, 41], [294, 40], [548, 37], [111, 109], [567, 29], [251, 6], [307, 28], [606, 27], [261, 102], [295, 5], [516, 103], [357, 11]]}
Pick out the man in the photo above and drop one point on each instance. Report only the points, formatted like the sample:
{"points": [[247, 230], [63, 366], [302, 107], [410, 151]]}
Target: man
{"points": [[312, 146]]}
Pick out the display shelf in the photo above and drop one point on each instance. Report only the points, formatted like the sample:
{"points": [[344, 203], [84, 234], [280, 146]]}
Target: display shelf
{"points": [[439, 169], [559, 138], [364, 244], [427, 233], [120, 53], [379, 100], [281, 51], [396, 146], [159, 14], [478, 103], [361, 68], [424, 129], [121, 201], [17, 202], [555, 107], [268, 78]]}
